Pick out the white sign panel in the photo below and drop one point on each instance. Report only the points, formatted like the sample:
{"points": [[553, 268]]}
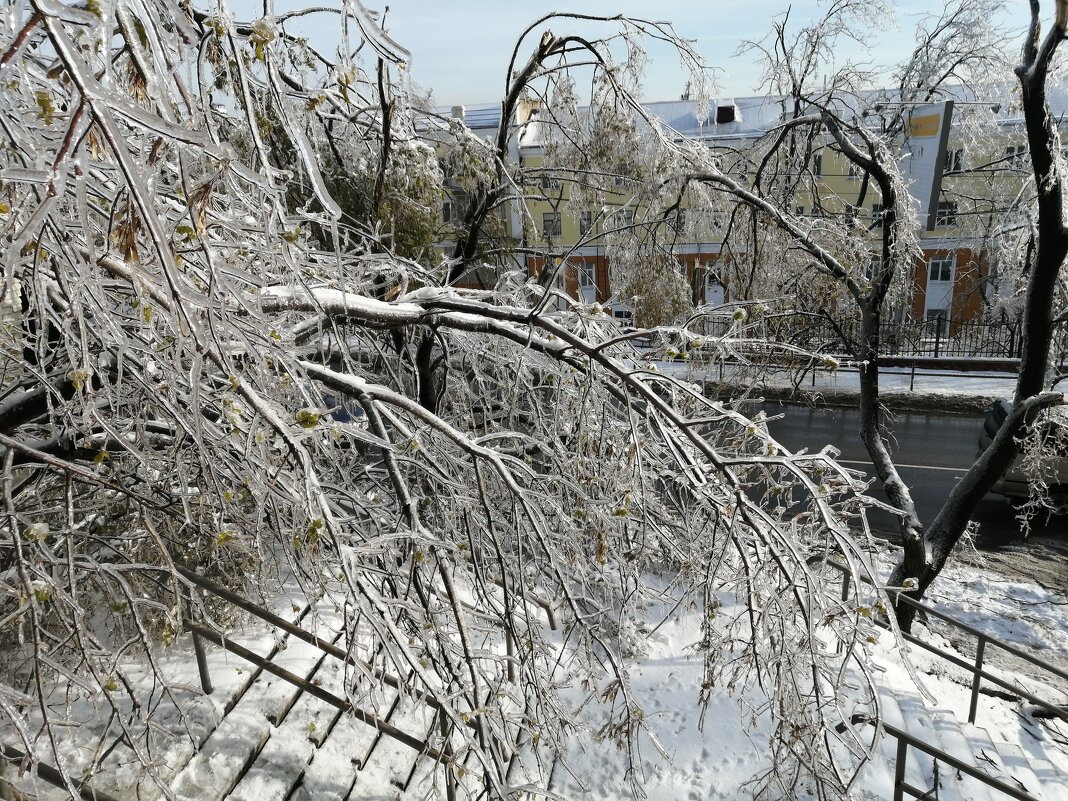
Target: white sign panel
{"points": [[924, 157]]}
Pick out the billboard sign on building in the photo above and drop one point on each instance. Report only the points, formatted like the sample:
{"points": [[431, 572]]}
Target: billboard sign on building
{"points": [[924, 157]]}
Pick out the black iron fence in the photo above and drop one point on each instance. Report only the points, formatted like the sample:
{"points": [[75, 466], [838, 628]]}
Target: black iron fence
{"points": [[939, 337]]}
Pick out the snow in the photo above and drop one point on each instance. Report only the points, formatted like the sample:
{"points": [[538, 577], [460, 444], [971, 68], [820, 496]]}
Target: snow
{"points": [[681, 759], [847, 379]]}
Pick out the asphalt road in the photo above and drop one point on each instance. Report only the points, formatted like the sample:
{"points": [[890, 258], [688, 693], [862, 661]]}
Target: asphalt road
{"points": [[932, 452]]}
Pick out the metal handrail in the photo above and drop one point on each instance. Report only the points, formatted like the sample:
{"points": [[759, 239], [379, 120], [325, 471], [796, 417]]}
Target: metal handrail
{"points": [[55, 777], [906, 740], [978, 674]]}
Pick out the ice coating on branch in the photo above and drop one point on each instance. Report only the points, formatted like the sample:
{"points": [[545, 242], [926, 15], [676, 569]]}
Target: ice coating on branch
{"points": [[336, 301], [378, 39]]}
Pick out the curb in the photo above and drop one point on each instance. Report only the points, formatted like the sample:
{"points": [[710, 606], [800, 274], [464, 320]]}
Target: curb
{"points": [[948, 403]]}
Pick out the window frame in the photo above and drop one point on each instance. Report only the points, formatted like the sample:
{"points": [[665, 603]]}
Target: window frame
{"points": [[946, 264], [954, 161], [557, 224], [946, 214]]}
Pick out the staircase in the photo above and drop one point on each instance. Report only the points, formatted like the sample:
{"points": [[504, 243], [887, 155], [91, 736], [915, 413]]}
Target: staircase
{"points": [[974, 745], [256, 736], [261, 737]]}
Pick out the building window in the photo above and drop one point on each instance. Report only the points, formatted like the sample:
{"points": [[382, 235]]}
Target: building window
{"points": [[625, 217], [1015, 154], [946, 215], [871, 265], [585, 222], [550, 182], [817, 164], [954, 161], [940, 268], [937, 322], [550, 224], [677, 221], [447, 172], [851, 214], [446, 211], [854, 172], [877, 213], [586, 278], [799, 211]]}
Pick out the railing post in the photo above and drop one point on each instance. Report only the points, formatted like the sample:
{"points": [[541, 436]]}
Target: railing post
{"points": [[976, 679], [202, 664], [198, 649], [899, 770]]}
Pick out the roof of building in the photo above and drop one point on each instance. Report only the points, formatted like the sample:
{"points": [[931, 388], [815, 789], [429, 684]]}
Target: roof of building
{"points": [[754, 116]]}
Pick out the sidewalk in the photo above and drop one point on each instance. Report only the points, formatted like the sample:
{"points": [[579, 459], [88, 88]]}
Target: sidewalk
{"points": [[903, 388]]}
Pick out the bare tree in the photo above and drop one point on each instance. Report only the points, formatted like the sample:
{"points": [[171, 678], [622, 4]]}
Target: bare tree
{"points": [[199, 320], [950, 47]]}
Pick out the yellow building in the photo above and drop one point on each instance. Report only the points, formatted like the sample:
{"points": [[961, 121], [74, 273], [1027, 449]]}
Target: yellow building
{"points": [[952, 279]]}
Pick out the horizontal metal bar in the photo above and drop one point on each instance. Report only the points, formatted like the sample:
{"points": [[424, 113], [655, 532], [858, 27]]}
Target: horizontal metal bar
{"points": [[54, 777], [951, 761], [1003, 683], [954, 622], [318, 692], [303, 634]]}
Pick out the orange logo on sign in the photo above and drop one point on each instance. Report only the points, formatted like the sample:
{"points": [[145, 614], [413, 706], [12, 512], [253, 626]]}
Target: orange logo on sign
{"points": [[927, 125]]}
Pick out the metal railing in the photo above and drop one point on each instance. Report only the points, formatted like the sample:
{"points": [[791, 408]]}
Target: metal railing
{"points": [[906, 740], [982, 641], [939, 337]]}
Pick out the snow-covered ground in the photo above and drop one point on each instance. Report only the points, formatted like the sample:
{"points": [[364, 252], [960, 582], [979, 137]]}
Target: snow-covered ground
{"points": [[713, 761], [894, 380]]}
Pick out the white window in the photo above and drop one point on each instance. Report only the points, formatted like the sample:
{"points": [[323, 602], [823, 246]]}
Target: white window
{"points": [[940, 268], [677, 221], [550, 182], [1015, 155], [715, 293], [550, 224], [585, 222], [877, 212], [954, 161], [625, 217], [854, 172], [817, 164], [946, 214], [587, 282], [937, 321]]}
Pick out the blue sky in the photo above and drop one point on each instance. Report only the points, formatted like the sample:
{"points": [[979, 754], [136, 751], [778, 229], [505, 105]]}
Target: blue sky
{"points": [[461, 48]]}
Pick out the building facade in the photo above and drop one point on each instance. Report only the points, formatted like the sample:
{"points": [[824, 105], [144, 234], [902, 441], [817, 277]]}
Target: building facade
{"points": [[953, 276]]}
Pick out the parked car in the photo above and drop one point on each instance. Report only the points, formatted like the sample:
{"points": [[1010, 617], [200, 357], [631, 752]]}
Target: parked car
{"points": [[1015, 483]]}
